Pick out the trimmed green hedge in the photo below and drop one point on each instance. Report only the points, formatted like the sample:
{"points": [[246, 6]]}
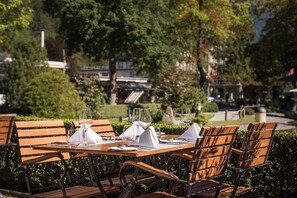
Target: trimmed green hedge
{"points": [[279, 181]]}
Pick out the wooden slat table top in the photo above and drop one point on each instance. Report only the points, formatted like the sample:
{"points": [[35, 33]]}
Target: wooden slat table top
{"points": [[104, 149]]}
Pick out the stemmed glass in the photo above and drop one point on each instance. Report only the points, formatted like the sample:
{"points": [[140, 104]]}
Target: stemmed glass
{"points": [[85, 117], [185, 115], [142, 118], [142, 115]]}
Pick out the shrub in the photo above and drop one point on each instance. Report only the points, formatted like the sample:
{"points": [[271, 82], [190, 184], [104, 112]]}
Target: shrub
{"points": [[210, 107], [91, 92], [51, 95]]}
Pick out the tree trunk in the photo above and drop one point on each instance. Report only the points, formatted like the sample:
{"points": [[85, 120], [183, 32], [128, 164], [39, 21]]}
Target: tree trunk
{"points": [[113, 80], [200, 68]]}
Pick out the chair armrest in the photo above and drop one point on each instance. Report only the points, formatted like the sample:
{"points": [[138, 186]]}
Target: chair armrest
{"points": [[237, 151], [152, 170], [42, 158]]}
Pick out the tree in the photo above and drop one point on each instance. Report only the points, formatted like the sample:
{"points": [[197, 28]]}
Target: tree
{"points": [[51, 95], [91, 92], [27, 56], [100, 29], [119, 30], [14, 15], [206, 25], [178, 88], [275, 53]]}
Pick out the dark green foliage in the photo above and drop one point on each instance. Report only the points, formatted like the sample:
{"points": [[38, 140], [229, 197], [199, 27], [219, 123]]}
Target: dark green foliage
{"points": [[27, 54], [280, 179], [178, 88], [210, 107], [51, 95], [91, 92], [275, 52]]}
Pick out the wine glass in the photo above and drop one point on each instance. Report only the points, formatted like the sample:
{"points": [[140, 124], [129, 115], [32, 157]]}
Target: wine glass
{"points": [[85, 121], [70, 132], [185, 115], [142, 115]]}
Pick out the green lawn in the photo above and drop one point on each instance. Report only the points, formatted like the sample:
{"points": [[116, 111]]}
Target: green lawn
{"points": [[246, 120]]}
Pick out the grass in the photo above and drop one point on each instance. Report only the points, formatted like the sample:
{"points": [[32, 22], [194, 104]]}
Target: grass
{"points": [[246, 120]]}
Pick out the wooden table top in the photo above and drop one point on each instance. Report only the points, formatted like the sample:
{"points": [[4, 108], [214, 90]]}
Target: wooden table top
{"points": [[105, 148]]}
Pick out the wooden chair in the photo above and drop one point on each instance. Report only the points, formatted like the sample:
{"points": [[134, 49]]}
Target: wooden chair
{"points": [[252, 157], [111, 165], [33, 133], [197, 170], [102, 127], [6, 130]]}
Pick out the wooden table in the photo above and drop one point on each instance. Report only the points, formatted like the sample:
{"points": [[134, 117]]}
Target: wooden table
{"points": [[104, 148]]}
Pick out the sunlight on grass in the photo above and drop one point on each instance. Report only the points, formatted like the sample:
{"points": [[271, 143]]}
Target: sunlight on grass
{"points": [[246, 120]]}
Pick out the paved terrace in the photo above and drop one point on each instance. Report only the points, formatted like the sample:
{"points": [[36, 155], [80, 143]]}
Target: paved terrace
{"points": [[283, 122]]}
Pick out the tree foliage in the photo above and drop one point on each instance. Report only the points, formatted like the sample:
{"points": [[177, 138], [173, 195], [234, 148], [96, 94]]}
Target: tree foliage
{"points": [[208, 25], [91, 92], [178, 88], [14, 15], [51, 95], [27, 55], [275, 53], [118, 30]]}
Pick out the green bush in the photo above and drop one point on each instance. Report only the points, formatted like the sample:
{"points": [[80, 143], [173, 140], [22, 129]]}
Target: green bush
{"points": [[51, 95], [210, 107], [279, 181]]}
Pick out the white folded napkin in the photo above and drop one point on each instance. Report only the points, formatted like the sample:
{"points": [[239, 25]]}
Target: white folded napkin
{"points": [[133, 131], [192, 133], [91, 137], [147, 139], [142, 124]]}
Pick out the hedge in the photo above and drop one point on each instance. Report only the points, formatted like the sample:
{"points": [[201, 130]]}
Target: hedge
{"points": [[279, 181]]}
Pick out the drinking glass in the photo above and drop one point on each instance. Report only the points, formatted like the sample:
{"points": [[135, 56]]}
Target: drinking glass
{"points": [[140, 114], [185, 115], [85, 117], [70, 132]]}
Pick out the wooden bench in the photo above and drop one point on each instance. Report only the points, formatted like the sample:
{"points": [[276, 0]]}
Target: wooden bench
{"points": [[33, 133]]}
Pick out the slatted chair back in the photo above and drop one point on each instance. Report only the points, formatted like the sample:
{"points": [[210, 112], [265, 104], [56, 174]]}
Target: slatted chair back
{"points": [[34, 133], [101, 127], [6, 128], [256, 145], [212, 152]]}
